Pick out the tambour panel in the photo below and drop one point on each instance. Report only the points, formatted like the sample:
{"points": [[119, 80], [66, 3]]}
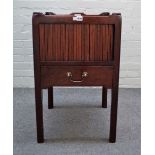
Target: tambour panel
{"points": [[76, 42]]}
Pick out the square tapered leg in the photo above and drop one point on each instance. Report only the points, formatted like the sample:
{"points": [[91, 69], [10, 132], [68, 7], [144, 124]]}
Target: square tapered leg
{"points": [[39, 115], [104, 97], [113, 118], [50, 98]]}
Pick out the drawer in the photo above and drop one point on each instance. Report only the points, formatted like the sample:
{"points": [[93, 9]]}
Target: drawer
{"points": [[76, 76]]}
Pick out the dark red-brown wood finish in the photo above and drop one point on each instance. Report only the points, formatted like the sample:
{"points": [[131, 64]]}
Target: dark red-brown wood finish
{"points": [[71, 52]]}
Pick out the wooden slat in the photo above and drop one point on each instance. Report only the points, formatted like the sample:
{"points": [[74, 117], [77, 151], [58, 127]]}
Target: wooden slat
{"points": [[46, 53], [42, 41], [50, 43], [85, 43], [78, 42], [75, 41], [70, 42], [107, 40], [92, 42], [66, 53], [62, 41], [54, 42], [98, 43], [57, 38], [96, 40], [110, 42], [104, 48], [87, 35]]}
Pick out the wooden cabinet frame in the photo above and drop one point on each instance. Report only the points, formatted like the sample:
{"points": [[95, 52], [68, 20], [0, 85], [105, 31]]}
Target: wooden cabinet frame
{"points": [[50, 18]]}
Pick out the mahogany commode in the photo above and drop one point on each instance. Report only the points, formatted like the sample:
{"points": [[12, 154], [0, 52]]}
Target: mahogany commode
{"points": [[76, 50]]}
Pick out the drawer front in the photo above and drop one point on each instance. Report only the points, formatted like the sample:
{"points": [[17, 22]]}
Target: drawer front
{"points": [[76, 76]]}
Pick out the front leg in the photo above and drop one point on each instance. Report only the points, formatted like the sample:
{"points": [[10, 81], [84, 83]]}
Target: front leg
{"points": [[113, 119], [39, 115]]}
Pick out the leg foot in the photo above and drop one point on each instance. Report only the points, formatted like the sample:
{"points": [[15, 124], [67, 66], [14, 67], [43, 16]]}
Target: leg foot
{"points": [[40, 140], [112, 140]]}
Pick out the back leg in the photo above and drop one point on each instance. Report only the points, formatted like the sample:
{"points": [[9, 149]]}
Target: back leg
{"points": [[50, 98], [104, 97]]}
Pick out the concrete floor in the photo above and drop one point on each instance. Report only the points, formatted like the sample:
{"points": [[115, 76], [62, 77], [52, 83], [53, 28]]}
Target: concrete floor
{"points": [[77, 125]]}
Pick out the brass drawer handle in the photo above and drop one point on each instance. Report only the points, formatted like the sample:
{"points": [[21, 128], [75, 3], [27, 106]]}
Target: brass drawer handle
{"points": [[84, 75]]}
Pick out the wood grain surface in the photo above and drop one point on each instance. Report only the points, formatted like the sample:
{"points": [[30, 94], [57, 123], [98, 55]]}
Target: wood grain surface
{"points": [[75, 42]]}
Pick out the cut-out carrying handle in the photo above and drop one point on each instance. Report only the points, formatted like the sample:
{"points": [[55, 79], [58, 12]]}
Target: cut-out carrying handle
{"points": [[50, 13], [80, 13]]}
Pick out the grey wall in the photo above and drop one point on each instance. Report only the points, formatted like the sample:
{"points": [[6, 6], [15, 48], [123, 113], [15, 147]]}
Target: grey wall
{"points": [[130, 51]]}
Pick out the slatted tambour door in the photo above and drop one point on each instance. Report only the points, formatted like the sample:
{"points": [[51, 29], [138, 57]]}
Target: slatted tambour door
{"points": [[76, 42]]}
